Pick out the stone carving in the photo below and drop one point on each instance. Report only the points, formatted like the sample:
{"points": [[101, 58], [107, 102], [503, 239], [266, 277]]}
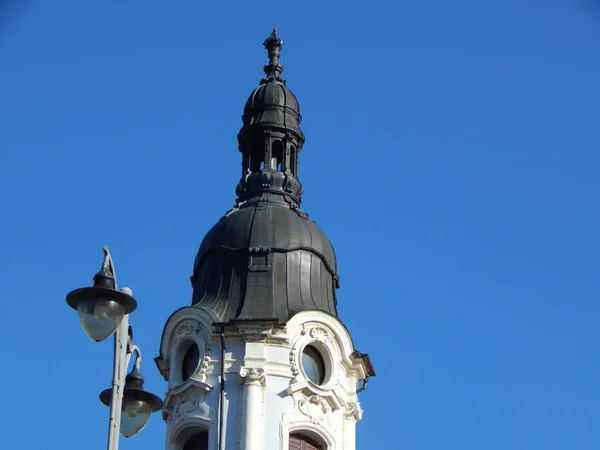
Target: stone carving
{"points": [[185, 406], [204, 364], [320, 334], [353, 410], [252, 375], [184, 330], [315, 408], [293, 361], [204, 409]]}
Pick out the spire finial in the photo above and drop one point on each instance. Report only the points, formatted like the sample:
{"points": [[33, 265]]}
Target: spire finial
{"points": [[273, 45]]}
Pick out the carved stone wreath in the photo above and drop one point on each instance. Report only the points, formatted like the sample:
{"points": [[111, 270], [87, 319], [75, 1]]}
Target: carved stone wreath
{"points": [[185, 406], [315, 408]]}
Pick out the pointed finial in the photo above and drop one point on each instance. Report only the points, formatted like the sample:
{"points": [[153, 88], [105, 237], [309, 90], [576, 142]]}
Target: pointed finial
{"points": [[273, 45]]}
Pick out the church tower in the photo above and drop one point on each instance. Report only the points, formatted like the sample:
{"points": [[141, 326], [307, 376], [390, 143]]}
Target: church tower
{"points": [[260, 360]]}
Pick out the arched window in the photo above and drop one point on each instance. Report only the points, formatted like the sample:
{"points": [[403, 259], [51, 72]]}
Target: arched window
{"points": [[277, 156], [313, 365], [198, 441], [300, 442], [293, 161], [257, 161], [190, 363]]}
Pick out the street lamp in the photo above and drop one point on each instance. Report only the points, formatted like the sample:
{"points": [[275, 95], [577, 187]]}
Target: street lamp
{"points": [[103, 310], [138, 404]]}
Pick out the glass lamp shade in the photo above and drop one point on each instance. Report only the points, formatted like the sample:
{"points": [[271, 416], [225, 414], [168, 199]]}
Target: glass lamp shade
{"points": [[137, 404], [134, 416], [101, 309], [100, 318]]}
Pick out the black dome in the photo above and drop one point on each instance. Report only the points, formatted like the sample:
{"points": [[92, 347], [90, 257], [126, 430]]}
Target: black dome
{"points": [[265, 260], [273, 105]]}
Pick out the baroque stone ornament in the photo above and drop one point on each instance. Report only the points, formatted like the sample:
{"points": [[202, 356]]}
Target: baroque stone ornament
{"points": [[293, 364], [204, 364], [184, 330], [320, 334], [253, 375], [353, 410], [186, 406], [315, 408]]}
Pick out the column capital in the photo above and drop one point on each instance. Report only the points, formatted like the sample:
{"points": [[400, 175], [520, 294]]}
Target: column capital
{"points": [[352, 410], [250, 375]]}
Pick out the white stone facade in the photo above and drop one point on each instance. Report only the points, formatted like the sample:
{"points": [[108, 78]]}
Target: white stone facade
{"points": [[266, 395]]}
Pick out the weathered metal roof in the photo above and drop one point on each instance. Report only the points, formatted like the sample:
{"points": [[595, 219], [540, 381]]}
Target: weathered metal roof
{"points": [[265, 259]]}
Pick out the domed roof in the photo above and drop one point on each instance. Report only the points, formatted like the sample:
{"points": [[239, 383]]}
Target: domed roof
{"points": [[265, 260], [272, 104]]}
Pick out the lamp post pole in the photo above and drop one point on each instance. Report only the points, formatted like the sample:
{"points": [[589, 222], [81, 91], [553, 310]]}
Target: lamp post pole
{"points": [[120, 362], [121, 353], [104, 310]]}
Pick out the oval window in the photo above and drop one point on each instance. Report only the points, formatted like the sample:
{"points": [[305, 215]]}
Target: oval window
{"points": [[190, 363], [313, 365]]}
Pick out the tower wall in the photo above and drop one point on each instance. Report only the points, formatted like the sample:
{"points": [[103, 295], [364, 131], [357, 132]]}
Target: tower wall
{"points": [[266, 394]]}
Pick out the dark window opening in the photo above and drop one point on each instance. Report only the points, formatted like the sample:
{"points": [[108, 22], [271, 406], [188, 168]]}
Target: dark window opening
{"points": [[293, 160], [257, 162], [191, 360], [301, 442], [277, 155], [197, 442]]}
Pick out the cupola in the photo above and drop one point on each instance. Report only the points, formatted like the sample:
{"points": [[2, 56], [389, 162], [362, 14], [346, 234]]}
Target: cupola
{"points": [[265, 259]]}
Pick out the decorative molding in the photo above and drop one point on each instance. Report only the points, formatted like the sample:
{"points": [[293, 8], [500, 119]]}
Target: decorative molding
{"points": [[315, 408], [185, 399], [352, 410], [258, 332], [204, 364], [190, 321], [184, 330], [321, 334], [252, 375], [293, 364], [186, 406]]}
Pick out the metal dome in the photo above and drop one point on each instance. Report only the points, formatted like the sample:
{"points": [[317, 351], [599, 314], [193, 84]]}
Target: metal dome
{"points": [[265, 260], [273, 105]]}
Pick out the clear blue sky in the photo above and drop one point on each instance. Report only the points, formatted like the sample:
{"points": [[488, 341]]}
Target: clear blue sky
{"points": [[452, 157]]}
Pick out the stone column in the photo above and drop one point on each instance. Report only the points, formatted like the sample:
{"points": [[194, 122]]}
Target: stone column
{"points": [[352, 414], [253, 424]]}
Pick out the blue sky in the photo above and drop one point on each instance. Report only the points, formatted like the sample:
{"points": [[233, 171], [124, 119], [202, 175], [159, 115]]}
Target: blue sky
{"points": [[451, 157]]}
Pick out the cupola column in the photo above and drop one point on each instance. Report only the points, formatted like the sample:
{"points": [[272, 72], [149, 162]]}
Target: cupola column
{"points": [[253, 426], [268, 141]]}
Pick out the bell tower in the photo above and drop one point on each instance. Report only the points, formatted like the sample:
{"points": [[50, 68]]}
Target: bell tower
{"points": [[260, 360]]}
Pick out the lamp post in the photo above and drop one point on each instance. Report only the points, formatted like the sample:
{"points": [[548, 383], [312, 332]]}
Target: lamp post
{"points": [[103, 310]]}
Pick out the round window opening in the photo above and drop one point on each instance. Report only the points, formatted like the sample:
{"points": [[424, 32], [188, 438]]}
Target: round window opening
{"points": [[313, 365], [191, 360]]}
